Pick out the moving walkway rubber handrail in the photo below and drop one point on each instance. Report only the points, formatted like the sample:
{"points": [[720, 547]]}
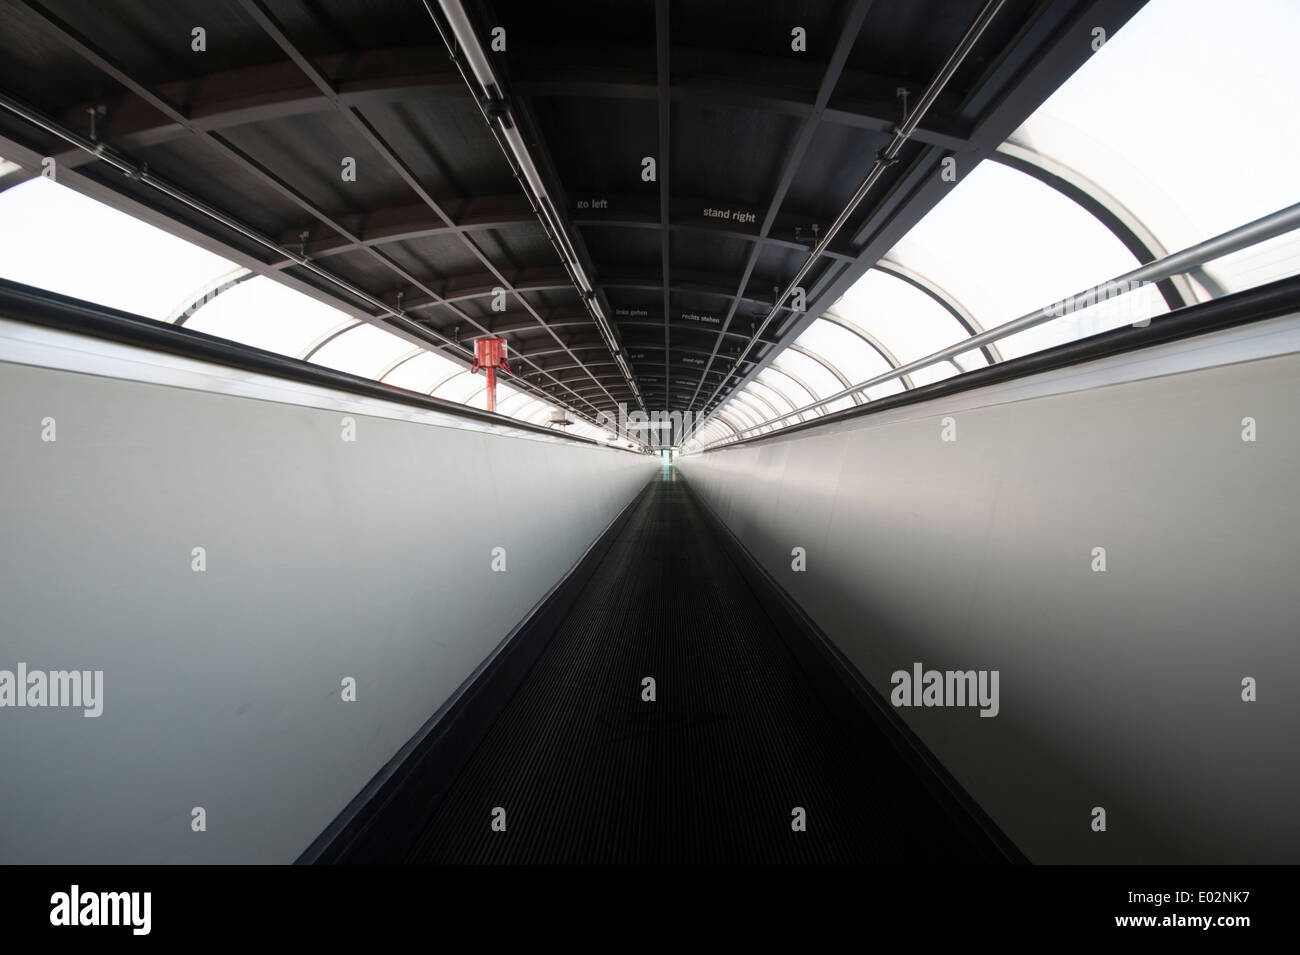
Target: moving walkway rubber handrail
{"points": [[39, 306]]}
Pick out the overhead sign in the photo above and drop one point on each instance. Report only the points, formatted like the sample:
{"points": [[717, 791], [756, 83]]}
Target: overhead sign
{"points": [[738, 216]]}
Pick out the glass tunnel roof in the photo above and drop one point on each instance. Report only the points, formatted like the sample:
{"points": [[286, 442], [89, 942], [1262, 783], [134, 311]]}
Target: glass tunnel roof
{"points": [[1172, 133], [1131, 159], [135, 267]]}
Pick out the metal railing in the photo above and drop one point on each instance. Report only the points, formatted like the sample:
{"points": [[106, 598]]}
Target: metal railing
{"points": [[884, 159], [1177, 263]]}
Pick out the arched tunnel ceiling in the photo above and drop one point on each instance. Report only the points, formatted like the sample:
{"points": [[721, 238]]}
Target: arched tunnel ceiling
{"points": [[757, 147]]}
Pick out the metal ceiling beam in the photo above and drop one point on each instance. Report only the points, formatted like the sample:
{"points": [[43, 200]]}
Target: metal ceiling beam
{"points": [[258, 11], [412, 221], [164, 219], [271, 91], [677, 369], [471, 287], [505, 328], [848, 36], [265, 92], [884, 159], [399, 324], [465, 50], [524, 118], [653, 387], [696, 283], [1046, 52], [664, 106], [509, 322], [745, 81], [591, 345], [678, 348], [467, 287], [177, 114], [713, 229]]}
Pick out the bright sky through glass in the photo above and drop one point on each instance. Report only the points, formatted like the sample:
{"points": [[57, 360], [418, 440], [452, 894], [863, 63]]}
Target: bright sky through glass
{"points": [[55, 238], [60, 240], [1185, 116]]}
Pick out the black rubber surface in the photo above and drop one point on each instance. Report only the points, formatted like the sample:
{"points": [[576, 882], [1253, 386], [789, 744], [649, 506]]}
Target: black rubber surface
{"points": [[711, 771]]}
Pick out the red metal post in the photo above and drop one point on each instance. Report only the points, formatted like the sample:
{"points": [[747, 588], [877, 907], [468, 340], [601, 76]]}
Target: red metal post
{"points": [[490, 354]]}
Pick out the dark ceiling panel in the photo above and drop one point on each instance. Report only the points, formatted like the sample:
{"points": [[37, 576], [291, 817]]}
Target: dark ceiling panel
{"points": [[759, 30], [730, 155], [754, 142], [155, 40], [326, 26], [612, 31], [598, 144], [443, 141]]}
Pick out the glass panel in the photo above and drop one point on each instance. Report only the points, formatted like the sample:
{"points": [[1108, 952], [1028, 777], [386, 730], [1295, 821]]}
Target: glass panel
{"points": [[514, 403], [791, 388], [1108, 314], [739, 414], [760, 387], [459, 387], [928, 376], [757, 410], [528, 409], [1137, 117], [539, 415], [1273, 259], [712, 431], [364, 350], [894, 386], [813, 372], [1005, 245], [734, 422], [266, 314], [907, 321], [971, 359], [117, 261], [421, 373], [855, 358]]}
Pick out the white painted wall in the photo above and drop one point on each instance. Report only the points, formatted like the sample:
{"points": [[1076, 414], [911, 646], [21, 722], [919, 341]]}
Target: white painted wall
{"points": [[325, 560], [1119, 689]]}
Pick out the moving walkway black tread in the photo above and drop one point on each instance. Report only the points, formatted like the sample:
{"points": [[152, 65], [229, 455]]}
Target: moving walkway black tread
{"points": [[587, 772]]}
